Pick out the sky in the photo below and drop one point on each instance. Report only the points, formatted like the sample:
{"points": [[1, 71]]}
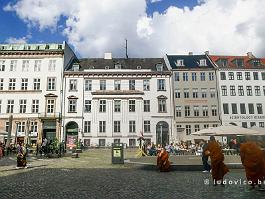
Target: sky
{"points": [[153, 28]]}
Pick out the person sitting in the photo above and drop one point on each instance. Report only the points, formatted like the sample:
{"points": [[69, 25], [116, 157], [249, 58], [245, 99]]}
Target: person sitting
{"points": [[162, 161]]}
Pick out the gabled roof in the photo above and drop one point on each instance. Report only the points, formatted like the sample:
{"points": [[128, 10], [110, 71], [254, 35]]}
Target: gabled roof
{"points": [[190, 61], [130, 63], [232, 64]]}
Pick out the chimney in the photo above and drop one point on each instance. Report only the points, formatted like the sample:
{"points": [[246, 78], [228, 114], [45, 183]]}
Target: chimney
{"points": [[250, 55], [190, 53], [207, 52], [107, 56]]}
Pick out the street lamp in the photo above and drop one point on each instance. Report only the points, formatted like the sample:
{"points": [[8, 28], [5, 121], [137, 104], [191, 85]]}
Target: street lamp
{"points": [[17, 122], [161, 134], [27, 131]]}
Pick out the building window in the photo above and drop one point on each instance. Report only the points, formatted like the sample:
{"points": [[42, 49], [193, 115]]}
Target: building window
{"points": [[132, 142], [261, 124], [206, 126], [224, 62], [2, 65], [195, 93], [186, 93], [256, 62], [196, 111], [179, 62], [230, 75], [242, 108], [211, 76], [7, 127], [87, 106], [239, 63], [263, 75], [34, 127], [187, 111], [234, 108], [225, 109], [223, 76], [214, 110], [196, 127], [102, 84], [21, 127], [52, 65], [177, 93], [117, 85], [252, 124], [264, 90], [51, 85], [72, 85], [177, 76], [185, 77], [87, 126], [72, 106], [247, 75], [205, 110], [102, 126], [259, 109], [212, 92], [224, 90], [249, 90], [232, 91], [13, 65], [146, 85], [240, 91], [204, 93], [162, 108], [159, 67], [194, 77], [25, 66], [50, 106], [255, 75], [239, 75], [102, 105], [203, 62], [178, 111], [24, 84], [117, 105], [117, 126], [131, 105], [36, 84], [102, 142], [22, 106], [161, 84], [257, 90], [10, 106], [88, 85], [132, 126], [131, 84], [35, 106], [215, 125], [1, 84], [146, 105], [202, 76], [12, 84], [37, 65], [188, 129], [251, 108], [147, 126]]}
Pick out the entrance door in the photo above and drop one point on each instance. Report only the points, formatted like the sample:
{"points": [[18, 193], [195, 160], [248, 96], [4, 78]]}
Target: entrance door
{"points": [[71, 134], [162, 133]]}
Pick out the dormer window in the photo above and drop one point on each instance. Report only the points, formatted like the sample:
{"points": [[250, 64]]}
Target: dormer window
{"points": [[106, 67], [117, 66], [139, 67], [203, 62], [179, 62], [239, 63], [75, 67], [256, 62], [159, 67], [223, 63], [91, 67]]}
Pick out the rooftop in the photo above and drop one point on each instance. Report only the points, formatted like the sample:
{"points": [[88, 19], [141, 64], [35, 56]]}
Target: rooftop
{"points": [[32, 47]]}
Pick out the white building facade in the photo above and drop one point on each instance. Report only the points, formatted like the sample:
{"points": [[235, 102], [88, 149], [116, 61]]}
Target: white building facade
{"points": [[116, 100], [241, 87], [31, 90]]}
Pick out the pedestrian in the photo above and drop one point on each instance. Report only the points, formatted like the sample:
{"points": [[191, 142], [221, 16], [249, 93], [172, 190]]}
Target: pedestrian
{"points": [[21, 156], [206, 166], [44, 146], [1, 150], [162, 161], [219, 169], [253, 160]]}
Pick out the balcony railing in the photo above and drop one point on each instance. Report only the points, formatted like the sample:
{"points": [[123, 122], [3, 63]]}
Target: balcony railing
{"points": [[49, 115]]}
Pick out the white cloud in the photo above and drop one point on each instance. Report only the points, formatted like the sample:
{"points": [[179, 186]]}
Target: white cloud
{"points": [[13, 40], [154, 1], [95, 27]]}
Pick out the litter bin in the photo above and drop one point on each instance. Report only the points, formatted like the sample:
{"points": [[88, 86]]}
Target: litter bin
{"points": [[117, 155]]}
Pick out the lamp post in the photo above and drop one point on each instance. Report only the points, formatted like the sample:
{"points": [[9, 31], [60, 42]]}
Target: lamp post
{"points": [[27, 131], [17, 122], [161, 134]]}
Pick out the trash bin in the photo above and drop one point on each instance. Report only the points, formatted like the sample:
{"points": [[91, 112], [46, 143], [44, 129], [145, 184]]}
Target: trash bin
{"points": [[117, 155]]}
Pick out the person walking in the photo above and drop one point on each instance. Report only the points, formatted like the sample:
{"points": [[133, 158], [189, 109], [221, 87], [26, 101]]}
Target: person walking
{"points": [[206, 166], [219, 169], [162, 161], [21, 156]]}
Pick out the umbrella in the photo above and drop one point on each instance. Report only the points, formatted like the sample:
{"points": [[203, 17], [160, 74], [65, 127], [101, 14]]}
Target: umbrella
{"points": [[225, 130]]}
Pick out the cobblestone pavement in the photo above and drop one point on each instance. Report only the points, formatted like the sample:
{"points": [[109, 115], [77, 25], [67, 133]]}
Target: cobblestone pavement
{"points": [[91, 176]]}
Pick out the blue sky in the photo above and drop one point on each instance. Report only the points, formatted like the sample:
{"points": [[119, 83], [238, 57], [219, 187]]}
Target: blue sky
{"points": [[12, 26]]}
